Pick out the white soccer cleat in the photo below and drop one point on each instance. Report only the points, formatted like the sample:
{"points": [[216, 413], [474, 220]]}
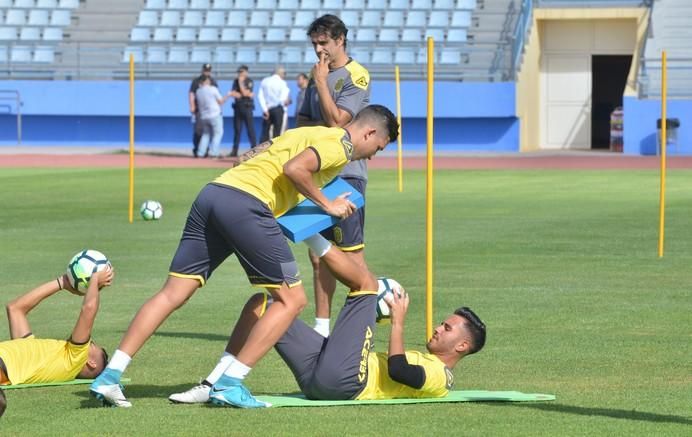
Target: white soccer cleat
{"points": [[198, 394], [111, 395]]}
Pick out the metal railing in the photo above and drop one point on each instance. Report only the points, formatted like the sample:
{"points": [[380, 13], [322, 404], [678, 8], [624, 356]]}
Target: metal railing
{"points": [[519, 36], [13, 96]]}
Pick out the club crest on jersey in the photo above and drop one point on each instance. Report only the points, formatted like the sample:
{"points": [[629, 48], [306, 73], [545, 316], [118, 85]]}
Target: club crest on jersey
{"points": [[338, 235], [450, 378], [348, 148], [339, 85], [362, 82]]}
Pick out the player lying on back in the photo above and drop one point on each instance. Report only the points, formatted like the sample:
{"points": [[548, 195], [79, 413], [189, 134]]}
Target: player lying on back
{"points": [[344, 366], [28, 360]]}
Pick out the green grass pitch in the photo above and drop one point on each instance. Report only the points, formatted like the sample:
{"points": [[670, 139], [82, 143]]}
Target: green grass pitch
{"points": [[561, 265]]}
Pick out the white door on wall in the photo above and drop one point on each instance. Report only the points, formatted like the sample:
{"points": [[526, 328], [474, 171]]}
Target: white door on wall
{"points": [[566, 91]]}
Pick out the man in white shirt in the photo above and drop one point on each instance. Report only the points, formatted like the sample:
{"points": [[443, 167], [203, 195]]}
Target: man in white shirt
{"points": [[273, 96]]}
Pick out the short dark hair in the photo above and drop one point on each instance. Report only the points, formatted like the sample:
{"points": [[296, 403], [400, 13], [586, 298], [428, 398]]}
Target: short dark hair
{"points": [[105, 357], [329, 25], [475, 326], [303, 75], [3, 403], [382, 115], [243, 68]]}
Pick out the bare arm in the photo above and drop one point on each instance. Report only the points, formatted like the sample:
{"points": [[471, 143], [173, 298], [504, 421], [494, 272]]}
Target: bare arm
{"points": [[90, 306], [398, 306], [193, 103], [19, 308]]}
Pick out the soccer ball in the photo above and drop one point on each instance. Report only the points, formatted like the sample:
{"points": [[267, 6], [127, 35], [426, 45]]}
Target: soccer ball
{"points": [[151, 210], [385, 286], [82, 266]]}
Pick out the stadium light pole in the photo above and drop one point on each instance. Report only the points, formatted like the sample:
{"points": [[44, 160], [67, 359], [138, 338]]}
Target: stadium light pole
{"points": [[429, 198]]}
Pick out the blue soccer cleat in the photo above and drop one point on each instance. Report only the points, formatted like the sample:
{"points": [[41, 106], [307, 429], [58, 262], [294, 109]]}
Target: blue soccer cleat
{"points": [[230, 392], [107, 389]]}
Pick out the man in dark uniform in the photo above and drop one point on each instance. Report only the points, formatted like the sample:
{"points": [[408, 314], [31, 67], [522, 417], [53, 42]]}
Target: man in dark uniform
{"points": [[194, 110], [243, 108]]}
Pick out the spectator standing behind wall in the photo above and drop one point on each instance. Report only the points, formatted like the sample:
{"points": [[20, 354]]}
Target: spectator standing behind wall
{"points": [[209, 103], [243, 106], [196, 132], [273, 96]]}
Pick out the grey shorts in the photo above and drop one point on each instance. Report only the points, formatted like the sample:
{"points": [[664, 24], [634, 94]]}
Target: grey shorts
{"points": [[333, 368], [225, 221], [349, 233]]}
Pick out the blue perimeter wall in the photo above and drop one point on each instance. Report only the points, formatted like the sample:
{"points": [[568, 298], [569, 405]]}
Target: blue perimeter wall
{"points": [[640, 126], [468, 116]]}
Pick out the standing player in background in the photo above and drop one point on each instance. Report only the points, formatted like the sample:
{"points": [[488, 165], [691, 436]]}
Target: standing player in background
{"points": [[273, 96], [338, 90], [242, 108], [194, 109]]}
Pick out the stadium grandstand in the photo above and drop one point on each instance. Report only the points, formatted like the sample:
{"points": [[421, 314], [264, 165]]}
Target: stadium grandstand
{"points": [[542, 74]]}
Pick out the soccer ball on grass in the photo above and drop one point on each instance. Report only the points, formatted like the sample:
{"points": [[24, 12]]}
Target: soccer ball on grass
{"points": [[82, 266], [151, 210]]}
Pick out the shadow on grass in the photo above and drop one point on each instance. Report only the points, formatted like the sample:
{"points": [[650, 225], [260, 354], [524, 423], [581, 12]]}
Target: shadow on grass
{"points": [[604, 412]]}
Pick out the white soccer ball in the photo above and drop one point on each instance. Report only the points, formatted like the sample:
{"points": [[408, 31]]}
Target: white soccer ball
{"points": [[82, 266], [151, 210], [385, 286]]}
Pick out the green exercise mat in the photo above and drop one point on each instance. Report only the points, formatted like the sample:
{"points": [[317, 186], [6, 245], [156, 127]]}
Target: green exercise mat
{"points": [[51, 384], [298, 400]]}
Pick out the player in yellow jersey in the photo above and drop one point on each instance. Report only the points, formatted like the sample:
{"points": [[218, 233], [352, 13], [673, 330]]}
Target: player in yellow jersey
{"points": [[26, 359], [236, 214], [343, 365]]}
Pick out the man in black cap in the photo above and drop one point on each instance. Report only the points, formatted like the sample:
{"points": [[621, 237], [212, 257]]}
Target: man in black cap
{"points": [[194, 110], [243, 108]]}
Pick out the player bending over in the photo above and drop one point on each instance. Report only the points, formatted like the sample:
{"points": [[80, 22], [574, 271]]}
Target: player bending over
{"points": [[343, 365], [28, 360]]}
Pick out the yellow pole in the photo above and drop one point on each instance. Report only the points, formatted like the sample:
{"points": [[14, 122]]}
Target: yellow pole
{"points": [[132, 137], [398, 117], [429, 198], [664, 139]]}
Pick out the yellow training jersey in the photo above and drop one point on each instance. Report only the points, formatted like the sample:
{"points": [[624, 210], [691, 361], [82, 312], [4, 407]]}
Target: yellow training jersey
{"points": [[263, 176], [33, 360], [438, 379]]}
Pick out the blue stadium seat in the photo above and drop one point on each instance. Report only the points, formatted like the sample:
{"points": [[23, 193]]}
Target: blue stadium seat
{"points": [[200, 55], [24, 4], [44, 54], [156, 55], [178, 55], [223, 55], [231, 34], [468, 5], [450, 56], [140, 34], [365, 34], [399, 4], [291, 55], [282, 18], [297, 34], [310, 4], [15, 17], [422, 57], [411, 35], [5, 4], [303, 18], [201, 5], [393, 19], [148, 18], [444, 4], [389, 35], [52, 34], [288, 4], [193, 18], [253, 34], [275, 34], [20, 54], [349, 17], [163, 34], [237, 18], [170, 18], [405, 55], [29, 34], [420, 4], [177, 4], [259, 18], [39, 17], [461, 19], [155, 4], [68, 4], [222, 4], [438, 35], [186, 34], [378, 4], [47, 4], [371, 19], [334, 5], [268, 55], [60, 17], [381, 56], [3, 54], [438, 19], [266, 4], [8, 33], [415, 19], [362, 55], [456, 35], [215, 18], [309, 57], [208, 34], [137, 53], [246, 55]]}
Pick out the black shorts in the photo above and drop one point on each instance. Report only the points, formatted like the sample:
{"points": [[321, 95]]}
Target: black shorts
{"points": [[333, 368], [349, 234], [224, 221]]}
